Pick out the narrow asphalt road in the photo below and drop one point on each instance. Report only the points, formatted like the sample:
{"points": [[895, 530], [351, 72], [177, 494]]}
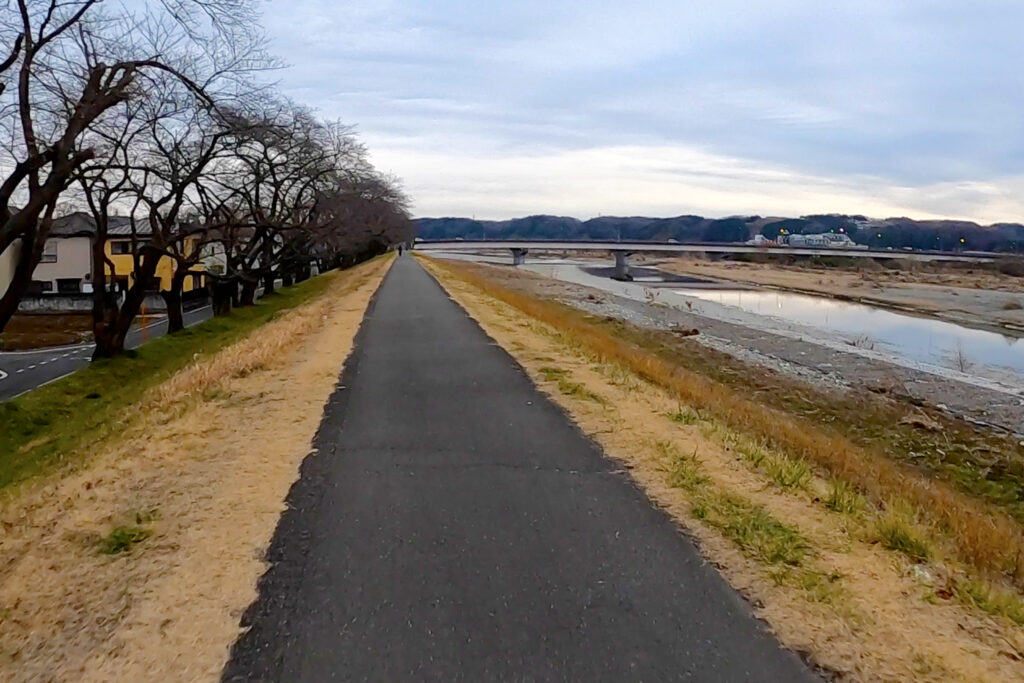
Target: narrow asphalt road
{"points": [[455, 525], [22, 371]]}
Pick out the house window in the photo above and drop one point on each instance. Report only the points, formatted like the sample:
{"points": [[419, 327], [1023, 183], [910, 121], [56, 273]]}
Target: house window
{"points": [[67, 285], [121, 247], [39, 286], [49, 252]]}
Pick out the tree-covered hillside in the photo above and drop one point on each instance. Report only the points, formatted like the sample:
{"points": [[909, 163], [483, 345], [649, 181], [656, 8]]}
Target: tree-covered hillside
{"points": [[897, 233]]}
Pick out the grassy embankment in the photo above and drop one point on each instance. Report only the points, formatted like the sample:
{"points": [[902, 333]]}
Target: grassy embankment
{"points": [[983, 465], [38, 429], [953, 495], [105, 570]]}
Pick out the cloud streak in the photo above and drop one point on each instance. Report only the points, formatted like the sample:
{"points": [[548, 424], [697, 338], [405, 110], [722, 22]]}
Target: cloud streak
{"points": [[905, 108], [668, 181]]}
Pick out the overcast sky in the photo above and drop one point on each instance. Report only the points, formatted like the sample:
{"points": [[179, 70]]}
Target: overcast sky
{"points": [[716, 107]]}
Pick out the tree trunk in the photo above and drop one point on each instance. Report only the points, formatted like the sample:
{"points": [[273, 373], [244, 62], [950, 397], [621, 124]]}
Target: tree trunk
{"points": [[267, 264], [172, 299], [248, 297], [28, 229], [110, 342], [223, 296], [15, 289], [175, 315], [286, 278], [104, 325], [105, 304], [109, 339]]}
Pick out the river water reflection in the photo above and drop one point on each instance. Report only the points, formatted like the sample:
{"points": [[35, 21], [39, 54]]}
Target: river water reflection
{"points": [[921, 339]]}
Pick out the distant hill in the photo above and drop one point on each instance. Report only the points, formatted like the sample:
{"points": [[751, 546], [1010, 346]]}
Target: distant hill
{"points": [[889, 232]]}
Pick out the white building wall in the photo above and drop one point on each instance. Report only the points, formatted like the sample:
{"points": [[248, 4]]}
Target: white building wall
{"points": [[74, 260]]}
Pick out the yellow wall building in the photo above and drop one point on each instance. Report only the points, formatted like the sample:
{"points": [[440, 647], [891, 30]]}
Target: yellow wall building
{"points": [[119, 251]]}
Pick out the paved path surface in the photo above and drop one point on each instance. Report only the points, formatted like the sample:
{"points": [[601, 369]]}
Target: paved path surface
{"points": [[22, 371], [455, 526]]}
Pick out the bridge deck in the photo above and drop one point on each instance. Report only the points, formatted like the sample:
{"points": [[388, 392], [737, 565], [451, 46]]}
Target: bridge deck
{"points": [[700, 247]]}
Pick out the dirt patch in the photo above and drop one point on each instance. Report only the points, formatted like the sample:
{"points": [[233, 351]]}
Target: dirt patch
{"points": [[860, 610], [43, 330], [139, 565]]}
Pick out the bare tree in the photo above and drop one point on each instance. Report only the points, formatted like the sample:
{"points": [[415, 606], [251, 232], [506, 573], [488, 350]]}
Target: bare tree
{"points": [[279, 171], [70, 64], [154, 117]]}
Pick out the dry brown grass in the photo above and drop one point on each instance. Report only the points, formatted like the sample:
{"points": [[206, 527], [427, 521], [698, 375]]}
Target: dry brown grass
{"points": [[250, 355], [138, 564], [982, 536]]}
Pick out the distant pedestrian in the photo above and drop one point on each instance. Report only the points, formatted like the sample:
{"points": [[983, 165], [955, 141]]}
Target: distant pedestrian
{"points": [[399, 249]]}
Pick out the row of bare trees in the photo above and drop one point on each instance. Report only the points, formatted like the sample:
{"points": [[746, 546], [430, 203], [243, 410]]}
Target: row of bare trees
{"points": [[162, 115]]}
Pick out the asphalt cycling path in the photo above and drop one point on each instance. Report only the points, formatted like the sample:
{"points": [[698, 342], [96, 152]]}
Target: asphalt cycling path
{"points": [[454, 525]]}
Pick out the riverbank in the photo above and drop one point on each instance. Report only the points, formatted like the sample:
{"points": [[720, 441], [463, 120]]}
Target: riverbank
{"points": [[982, 393], [46, 427]]}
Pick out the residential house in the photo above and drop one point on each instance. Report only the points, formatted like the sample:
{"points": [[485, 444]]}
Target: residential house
{"points": [[213, 257], [120, 254], [66, 262]]}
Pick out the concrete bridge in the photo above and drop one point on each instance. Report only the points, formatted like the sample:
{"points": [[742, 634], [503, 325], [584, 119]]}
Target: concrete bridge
{"points": [[623, 250]]}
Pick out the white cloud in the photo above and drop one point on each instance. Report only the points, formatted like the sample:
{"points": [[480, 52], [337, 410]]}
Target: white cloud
{"points": [[668, 181], [878, 106]]}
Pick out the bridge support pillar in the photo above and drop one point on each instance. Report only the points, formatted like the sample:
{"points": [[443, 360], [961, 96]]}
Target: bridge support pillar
{"points": [[519, 256], [622, 266]]}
